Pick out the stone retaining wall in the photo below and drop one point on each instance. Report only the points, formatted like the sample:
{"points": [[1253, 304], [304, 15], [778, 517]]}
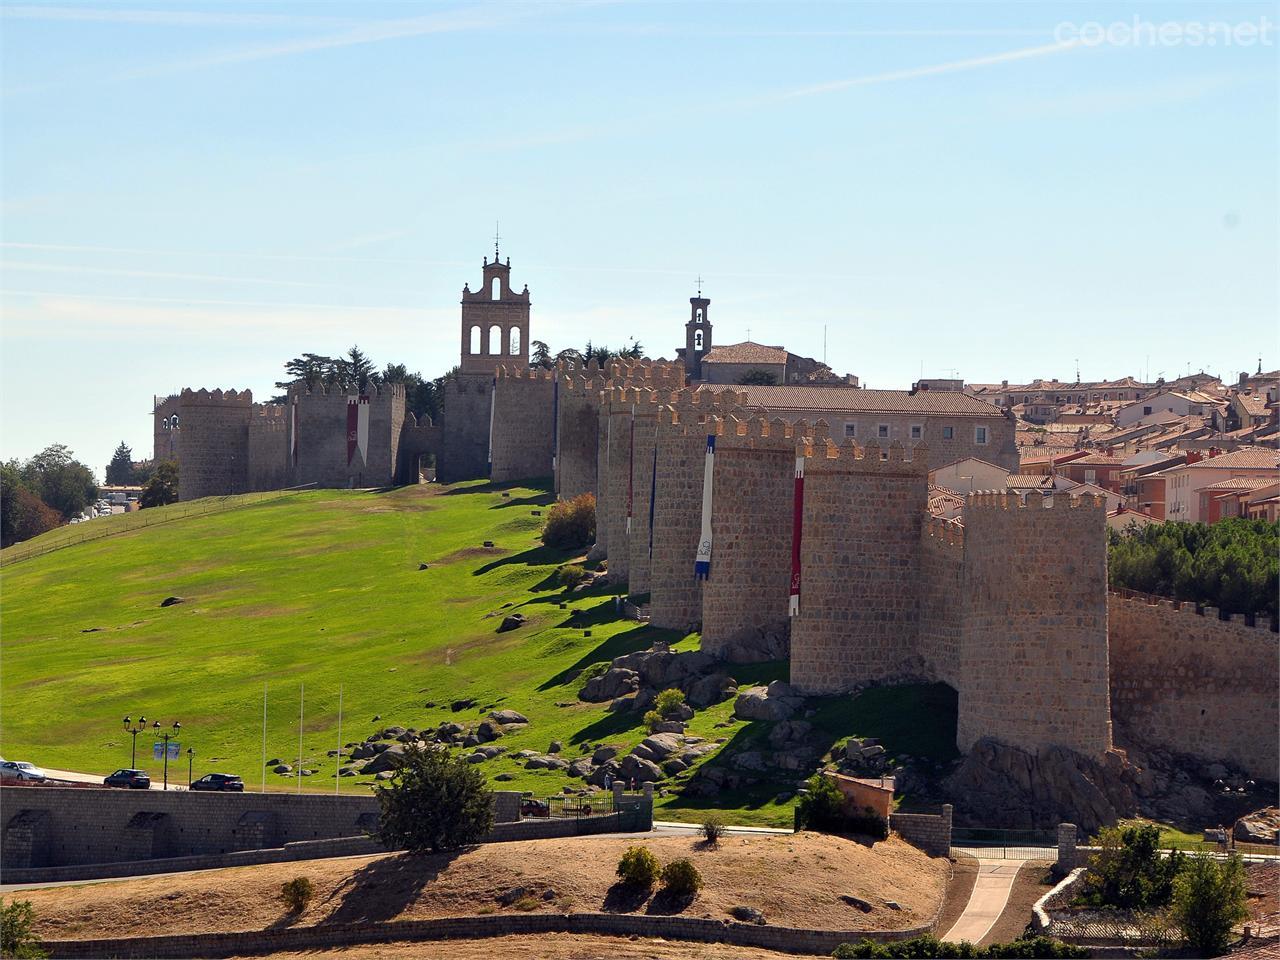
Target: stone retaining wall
{"points": [[785, 939], [930, 832]]}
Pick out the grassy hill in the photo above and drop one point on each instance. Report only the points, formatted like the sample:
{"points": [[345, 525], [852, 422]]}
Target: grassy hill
{"points": [[323, 590]]}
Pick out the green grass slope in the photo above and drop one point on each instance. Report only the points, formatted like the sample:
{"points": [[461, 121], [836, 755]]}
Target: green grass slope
{"points": [[323, 590]]}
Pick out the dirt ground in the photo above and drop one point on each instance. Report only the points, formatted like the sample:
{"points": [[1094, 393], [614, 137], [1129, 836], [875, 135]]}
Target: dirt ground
{"points": [[1028, 887], [548, 947], [796, 880]]}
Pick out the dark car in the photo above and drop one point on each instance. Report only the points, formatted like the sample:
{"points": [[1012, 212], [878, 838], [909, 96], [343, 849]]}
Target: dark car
{"points": [[133, 779], [529, 807], [219, 781]]}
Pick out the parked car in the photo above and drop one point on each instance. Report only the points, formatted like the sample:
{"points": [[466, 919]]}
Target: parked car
{"points": [[133, 779], [529, 807], [219, 781], [21, 770]]}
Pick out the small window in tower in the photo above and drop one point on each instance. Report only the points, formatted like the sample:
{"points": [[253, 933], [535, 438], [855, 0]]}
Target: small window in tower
{"points": [[698, 315], [495, 341], [496, 289], [475, 346], [697, 340], [513, 346]]}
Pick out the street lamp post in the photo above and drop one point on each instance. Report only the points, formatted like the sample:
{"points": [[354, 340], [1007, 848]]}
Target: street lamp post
{"points": [[129, 727], [166, 736], [191, 752]]}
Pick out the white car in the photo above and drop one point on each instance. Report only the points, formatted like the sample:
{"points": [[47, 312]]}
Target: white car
{"points": [[21, 770]]}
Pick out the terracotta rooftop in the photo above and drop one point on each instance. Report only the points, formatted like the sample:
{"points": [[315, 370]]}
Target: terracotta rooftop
{"points": [[853, 400], [1241, 483], [1255, 403], [1255, 458], [746, 352], [1098, 460], [1028, 481]]}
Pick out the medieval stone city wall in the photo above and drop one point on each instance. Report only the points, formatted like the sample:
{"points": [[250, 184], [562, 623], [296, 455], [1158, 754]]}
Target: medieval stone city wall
{"points": [[1033, 662], [213, 442], [523, 426], [643, 479], [1195, 684], [164, 438], [268, 447], [322, 437], [751, 527], [579, 426], [419, 449], [464, 438], [611, 505], [860, 564], [942, 597]]}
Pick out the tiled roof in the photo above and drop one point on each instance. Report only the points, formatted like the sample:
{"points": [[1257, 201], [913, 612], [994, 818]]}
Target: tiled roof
{"points": [[1255, 403], [746, 352], [1028, 481], [1245, 458], [1097, 460], [853, 400], [1241, 483]]}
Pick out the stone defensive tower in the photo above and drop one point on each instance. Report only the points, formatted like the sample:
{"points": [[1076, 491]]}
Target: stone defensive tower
{"points": [[322, 457], [207, 433], [523, 424]]}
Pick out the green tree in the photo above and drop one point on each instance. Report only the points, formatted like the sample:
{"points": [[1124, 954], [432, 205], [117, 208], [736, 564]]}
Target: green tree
{"points": [[541, 355], [23, 515], [17, 939], [822, 807], [1129, 871], [757, 377], [61, 481], [1208, 900], [435, 801], [355, 370], [162, 488], [120, 469]]}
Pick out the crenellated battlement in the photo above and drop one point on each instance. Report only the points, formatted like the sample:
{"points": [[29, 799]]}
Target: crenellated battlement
{"points": [[950, 532], [268, 411], [1034, 500], [520, 372], [230, 397], [383, 393], [761, 433], [871, 458], [658, 373], [1261, 621]]}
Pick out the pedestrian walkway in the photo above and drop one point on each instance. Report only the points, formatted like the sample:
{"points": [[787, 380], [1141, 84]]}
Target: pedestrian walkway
{"points": [[987, 902]]}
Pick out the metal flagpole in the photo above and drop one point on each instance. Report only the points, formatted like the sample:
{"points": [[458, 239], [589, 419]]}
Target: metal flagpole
{"points": [[264, 736], [336, 770], [302, 696]]}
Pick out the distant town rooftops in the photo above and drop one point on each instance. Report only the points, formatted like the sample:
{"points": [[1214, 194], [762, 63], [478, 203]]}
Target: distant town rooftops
{"points": [[746, 352], [853, 400], [1247, 458]]}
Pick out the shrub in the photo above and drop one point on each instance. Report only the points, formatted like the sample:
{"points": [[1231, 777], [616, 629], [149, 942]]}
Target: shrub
{"points": [[1128, 872], [1208, 900], [570, 575], [868, 823], [16, 936], [297, 893], [651, 720], [527, 903], [712, 829], [681, 878], [822, 808], [571, 524], [638, 867], [669, 702], [436, 801], [928, 947]]}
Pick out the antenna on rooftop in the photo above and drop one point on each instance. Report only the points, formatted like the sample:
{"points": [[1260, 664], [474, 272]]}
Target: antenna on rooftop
{"points": [[1077, 369], [496, 238]]}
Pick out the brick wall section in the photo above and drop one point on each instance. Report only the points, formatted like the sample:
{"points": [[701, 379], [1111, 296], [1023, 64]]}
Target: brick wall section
{"points": [[213, 442], [930, 832], [579, 431], [752, 509], [941, 597], [860, 557], [675, 596], [522, 424], [290, 939], [464, 453], [611, 509], [322, 437], [1195, 684], [268, 448], [642, 477], [1034, 651]]}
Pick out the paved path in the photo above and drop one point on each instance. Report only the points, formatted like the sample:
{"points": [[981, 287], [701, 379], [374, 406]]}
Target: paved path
{"points": [[72, 776], [986, 903]]}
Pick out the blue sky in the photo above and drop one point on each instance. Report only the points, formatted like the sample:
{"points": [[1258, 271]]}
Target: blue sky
{"points": [[193, 193]]}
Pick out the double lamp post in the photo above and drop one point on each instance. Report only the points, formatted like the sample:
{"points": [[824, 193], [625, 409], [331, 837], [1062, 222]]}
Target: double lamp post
{"points": [[165, 735]]}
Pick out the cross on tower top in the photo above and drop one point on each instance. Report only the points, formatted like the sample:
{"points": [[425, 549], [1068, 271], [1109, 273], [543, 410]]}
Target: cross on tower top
{"points": [[496, 238], [699, 285]]}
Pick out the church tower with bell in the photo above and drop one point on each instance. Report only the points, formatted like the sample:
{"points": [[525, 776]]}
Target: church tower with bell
{"points": [[697, 334]]}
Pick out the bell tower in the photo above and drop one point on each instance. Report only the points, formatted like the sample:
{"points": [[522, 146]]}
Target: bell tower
{"points": [[495, 320], [697, 334]]}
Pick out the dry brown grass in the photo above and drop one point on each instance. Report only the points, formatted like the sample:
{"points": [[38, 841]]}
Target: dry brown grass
{"points": [[555, 946], [796, 880]]}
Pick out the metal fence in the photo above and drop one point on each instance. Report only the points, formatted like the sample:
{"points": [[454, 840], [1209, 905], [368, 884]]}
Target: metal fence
{"points": [[996, 844], [567, 806]]}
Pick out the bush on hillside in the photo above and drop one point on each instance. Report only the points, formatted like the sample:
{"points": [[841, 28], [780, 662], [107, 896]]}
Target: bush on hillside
{"points": [[435, 801], [638, 867], [16, 936], [570, 575], [297, 893], [712, 829], [162, 488], [571, 524], [1233, 565], [1128, 871], [681, 878], [822, 808], [669, 702], [1208, 900], [927, 947]]}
